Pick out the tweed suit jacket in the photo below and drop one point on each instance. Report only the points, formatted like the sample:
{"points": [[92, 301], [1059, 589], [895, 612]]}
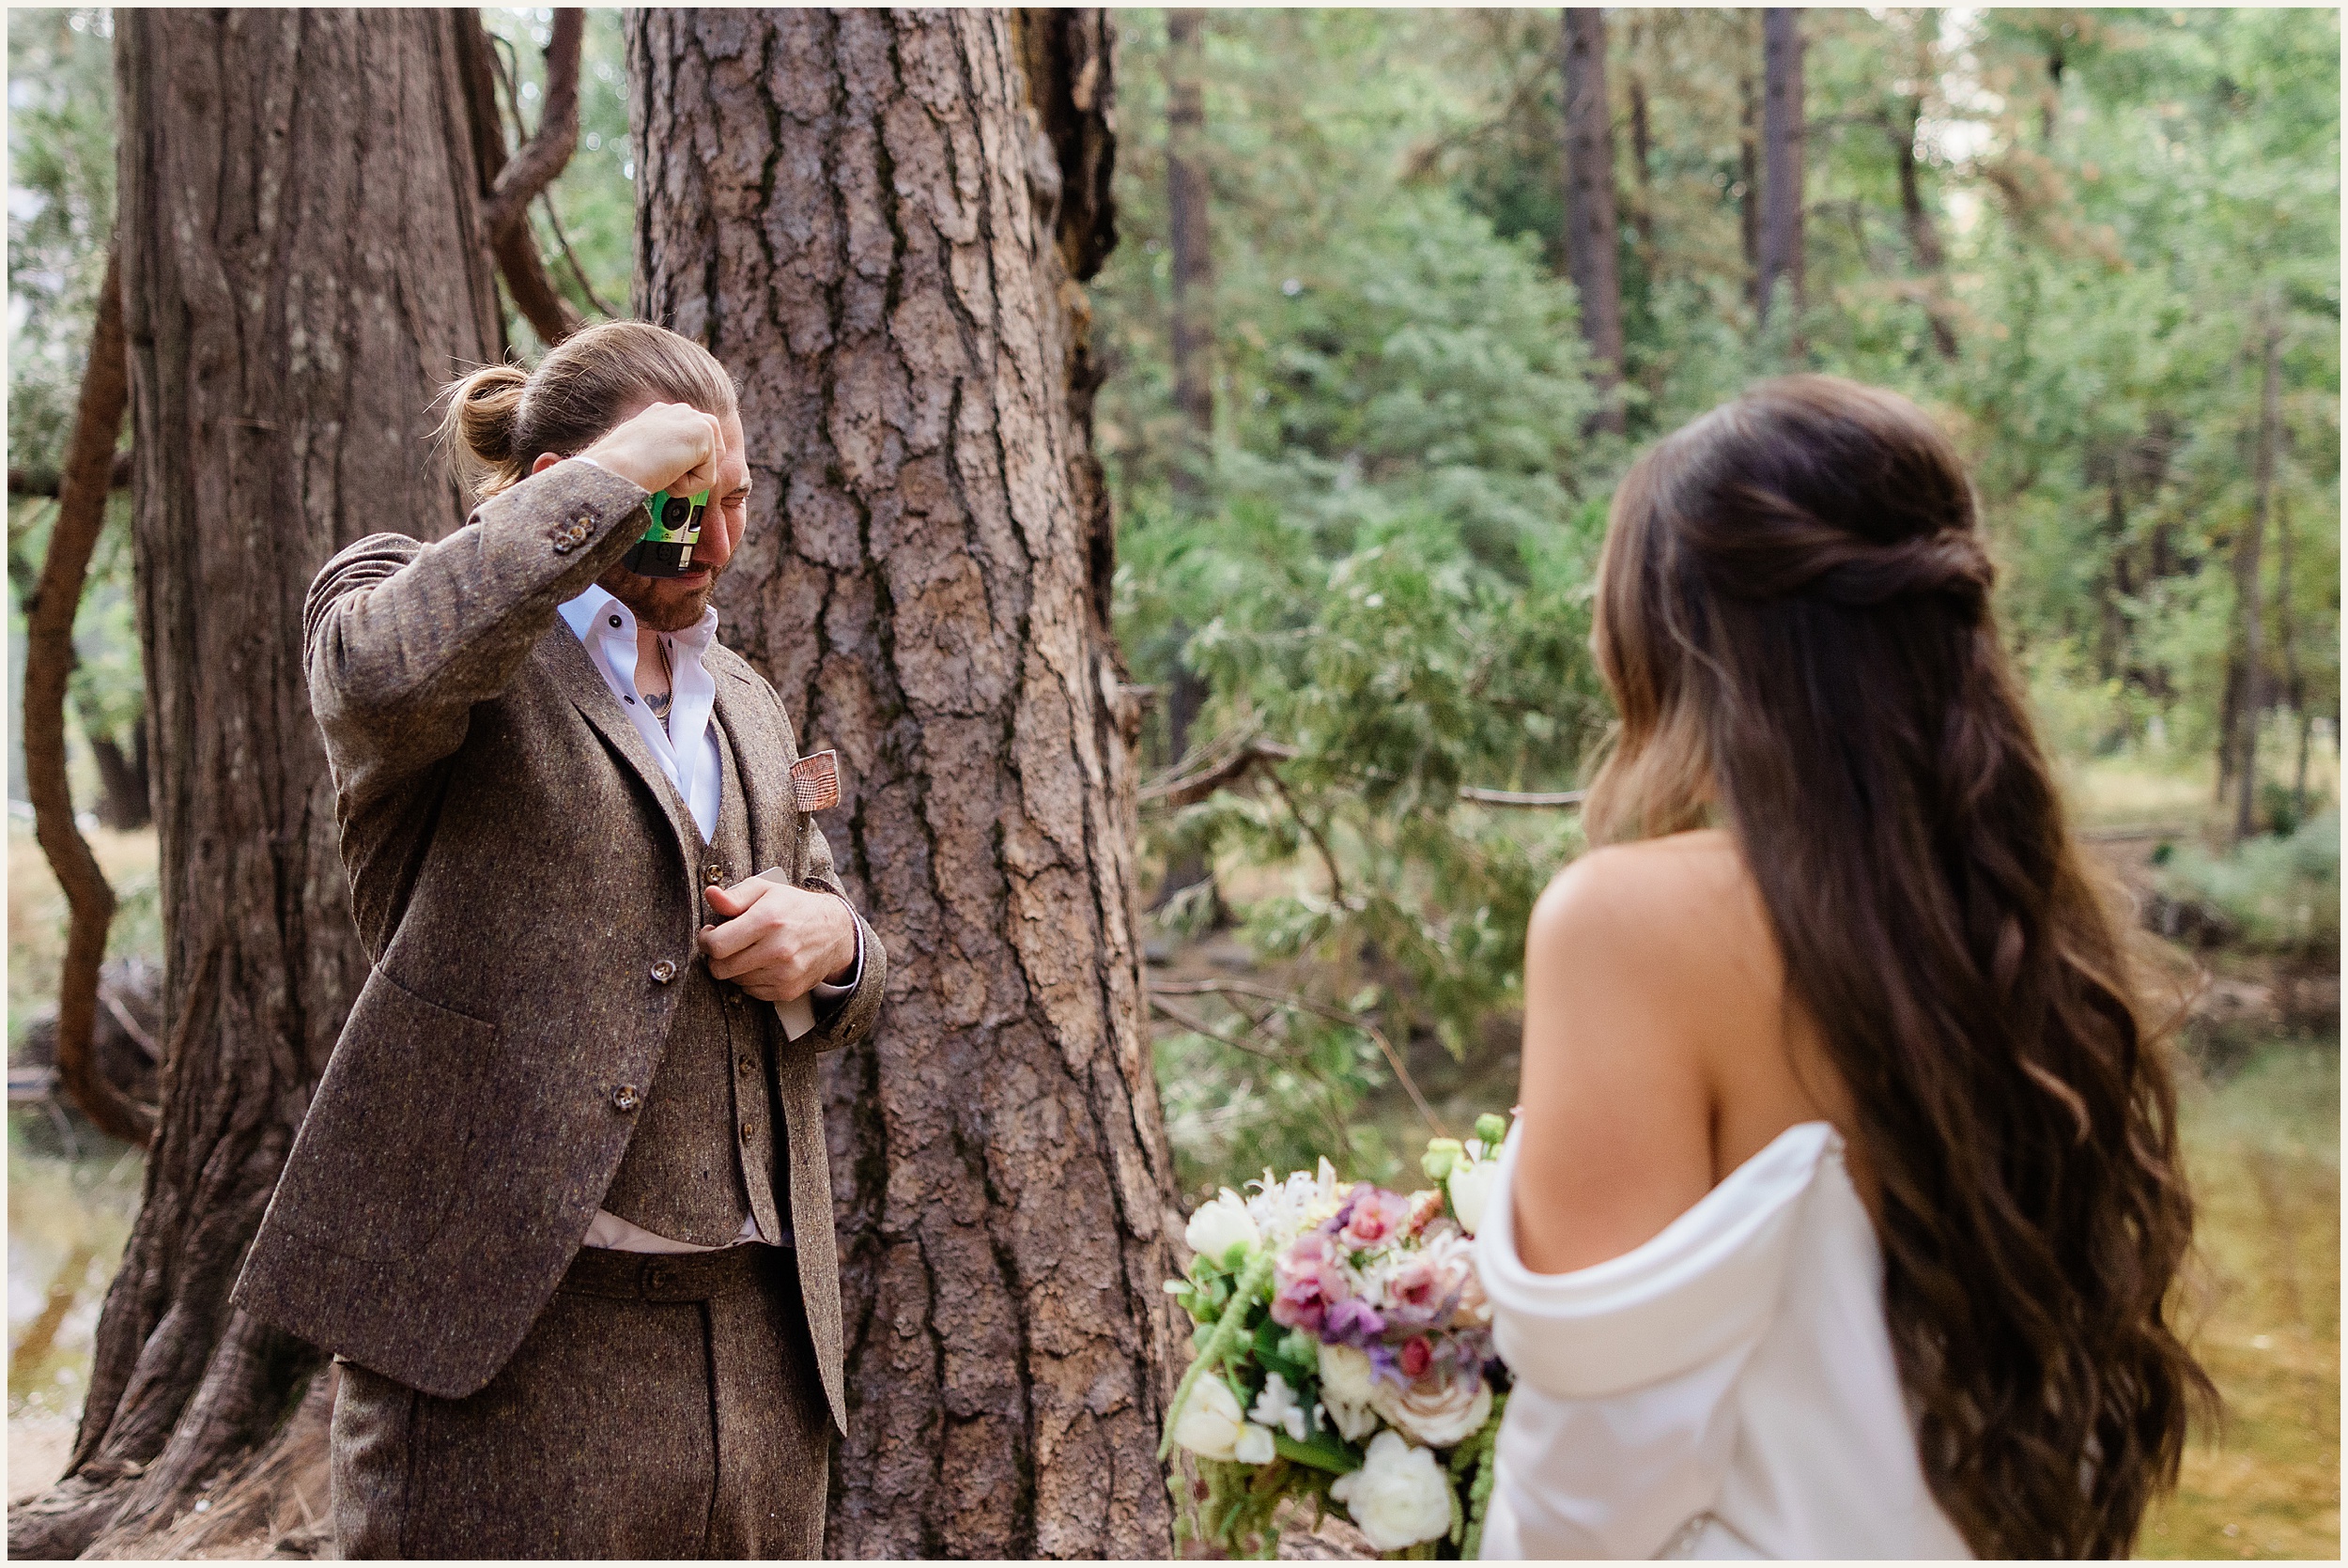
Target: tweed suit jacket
{"points": [[523, 876]]}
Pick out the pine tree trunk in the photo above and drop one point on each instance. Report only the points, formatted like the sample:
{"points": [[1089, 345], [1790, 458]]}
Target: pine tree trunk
{"points": [[1924, 236], [860, 214], [1188, 233], [1748, 165], [300, 272], [2249, 605], [1781, 135], [1591, 232]]}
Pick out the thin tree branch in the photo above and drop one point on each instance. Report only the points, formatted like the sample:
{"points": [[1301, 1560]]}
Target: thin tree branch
{"points": [[48, 663], [1225, 764], [1228, 989], [1524, 799], [554, 222], [550, 316], [1328, 856], [544, 156]]}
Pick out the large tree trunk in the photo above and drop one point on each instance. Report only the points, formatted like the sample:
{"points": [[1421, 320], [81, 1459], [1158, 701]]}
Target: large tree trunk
{"points": [[301, 272], [855, 210], [1591, 234], [1781, 133]]}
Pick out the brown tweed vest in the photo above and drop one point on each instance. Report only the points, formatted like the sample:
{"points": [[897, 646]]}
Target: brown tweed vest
{"points": [[702, 1154]]}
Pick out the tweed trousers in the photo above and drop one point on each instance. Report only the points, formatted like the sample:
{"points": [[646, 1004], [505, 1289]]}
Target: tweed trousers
{"points": [[662, 1405]]}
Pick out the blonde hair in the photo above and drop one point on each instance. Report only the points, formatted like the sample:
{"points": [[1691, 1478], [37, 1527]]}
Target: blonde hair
{"points": [[502, 417]]}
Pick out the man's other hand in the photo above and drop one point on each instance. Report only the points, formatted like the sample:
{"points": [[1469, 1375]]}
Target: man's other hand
{"points": [[778, 941]]}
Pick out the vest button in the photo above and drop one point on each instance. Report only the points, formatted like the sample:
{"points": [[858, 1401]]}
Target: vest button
{"points": [[663, 971], [626, 1099], [746, 1067], [714, 875], [749, 1128]]}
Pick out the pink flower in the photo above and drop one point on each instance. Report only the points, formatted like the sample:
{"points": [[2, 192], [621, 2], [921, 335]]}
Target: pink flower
{"points": [[1416, 1357], [1374, 1217], [1307, 1281]]}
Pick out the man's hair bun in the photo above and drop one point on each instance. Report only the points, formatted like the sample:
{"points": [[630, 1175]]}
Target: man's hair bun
{"points": [[485, 413]]}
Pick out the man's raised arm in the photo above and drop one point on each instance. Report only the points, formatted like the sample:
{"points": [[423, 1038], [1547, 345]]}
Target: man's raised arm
{"points": [[400, 639]]}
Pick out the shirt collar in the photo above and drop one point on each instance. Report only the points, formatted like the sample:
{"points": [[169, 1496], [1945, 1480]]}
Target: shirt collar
{"points": [[589, 617]]}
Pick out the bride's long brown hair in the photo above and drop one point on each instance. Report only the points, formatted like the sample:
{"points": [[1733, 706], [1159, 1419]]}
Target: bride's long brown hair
{"points": [[1794, 615]]}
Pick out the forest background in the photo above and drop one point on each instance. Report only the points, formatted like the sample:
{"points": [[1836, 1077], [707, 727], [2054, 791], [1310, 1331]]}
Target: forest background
{"points": [[1375, 348]]}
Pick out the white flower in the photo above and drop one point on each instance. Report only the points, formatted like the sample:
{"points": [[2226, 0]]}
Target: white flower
{"points": [[1400, 1497], [1254, 1446], [1285, 1209], [1471, 1189], [1211, 1422], [1278, 1407], [1221, 1225], [1345, 1391], [1437, 1410]]}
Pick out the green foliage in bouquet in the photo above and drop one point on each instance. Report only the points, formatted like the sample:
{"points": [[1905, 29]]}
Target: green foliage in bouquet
{"points": [[1344, 1360]]}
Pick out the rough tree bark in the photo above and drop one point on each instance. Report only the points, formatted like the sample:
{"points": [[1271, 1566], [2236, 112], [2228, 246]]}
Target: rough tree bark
{"points": [[48, 663], [1592, 234], [301, 272], [1782, 136], [865, 214]]}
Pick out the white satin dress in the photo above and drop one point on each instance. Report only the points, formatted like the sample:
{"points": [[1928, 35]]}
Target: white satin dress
{"points": [[1725, 1389]]}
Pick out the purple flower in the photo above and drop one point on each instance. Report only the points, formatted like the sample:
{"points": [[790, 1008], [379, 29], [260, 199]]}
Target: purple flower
{"points": [[1352, 1321]]}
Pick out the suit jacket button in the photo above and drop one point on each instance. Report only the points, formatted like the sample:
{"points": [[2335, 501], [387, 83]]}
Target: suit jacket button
{"points": [[749, 1128], [626, 1099], [663, 971], [562, 545]]}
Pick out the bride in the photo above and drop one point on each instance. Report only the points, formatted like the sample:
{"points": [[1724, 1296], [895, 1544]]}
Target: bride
{"points": [[1845, 1201]]}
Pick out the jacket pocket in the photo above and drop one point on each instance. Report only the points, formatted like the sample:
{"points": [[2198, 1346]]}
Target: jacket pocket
{"points": [[383, 1149]]}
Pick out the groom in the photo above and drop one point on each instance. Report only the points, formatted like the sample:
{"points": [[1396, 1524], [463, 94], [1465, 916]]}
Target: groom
{"points": [[561, 1206]]}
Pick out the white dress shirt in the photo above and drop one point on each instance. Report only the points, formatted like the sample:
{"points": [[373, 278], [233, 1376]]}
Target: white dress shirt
{"points": [[606, 628], [1725, 1389]]}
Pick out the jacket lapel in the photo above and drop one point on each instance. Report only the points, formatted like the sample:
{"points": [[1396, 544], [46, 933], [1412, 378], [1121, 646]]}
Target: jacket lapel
{"points": [[576, 673], [763, 755]]}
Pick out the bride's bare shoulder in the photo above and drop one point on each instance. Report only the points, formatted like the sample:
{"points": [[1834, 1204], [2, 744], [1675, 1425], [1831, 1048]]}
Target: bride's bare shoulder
{"points": [[1657, 889]]}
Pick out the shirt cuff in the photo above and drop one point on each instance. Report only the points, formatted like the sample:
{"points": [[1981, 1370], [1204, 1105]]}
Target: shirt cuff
{"points": [[825, 990]]}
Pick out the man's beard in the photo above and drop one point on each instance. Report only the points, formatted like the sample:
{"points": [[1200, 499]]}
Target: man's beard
{"points": [[659, 602]]}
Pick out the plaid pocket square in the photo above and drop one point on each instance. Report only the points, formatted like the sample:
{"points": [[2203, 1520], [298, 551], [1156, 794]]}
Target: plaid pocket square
{"points": [[815, 781]]}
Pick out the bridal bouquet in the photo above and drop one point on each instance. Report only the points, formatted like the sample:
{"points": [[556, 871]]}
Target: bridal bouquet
{"points": [[1344, 1356]]}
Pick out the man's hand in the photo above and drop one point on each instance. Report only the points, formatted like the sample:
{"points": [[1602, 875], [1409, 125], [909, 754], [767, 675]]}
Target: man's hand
{"points": [[663, 446], [778, 941]]}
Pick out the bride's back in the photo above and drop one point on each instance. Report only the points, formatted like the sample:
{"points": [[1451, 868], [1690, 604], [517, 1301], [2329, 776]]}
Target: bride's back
{"points": [[1670, 1017], [1842, 889]]}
